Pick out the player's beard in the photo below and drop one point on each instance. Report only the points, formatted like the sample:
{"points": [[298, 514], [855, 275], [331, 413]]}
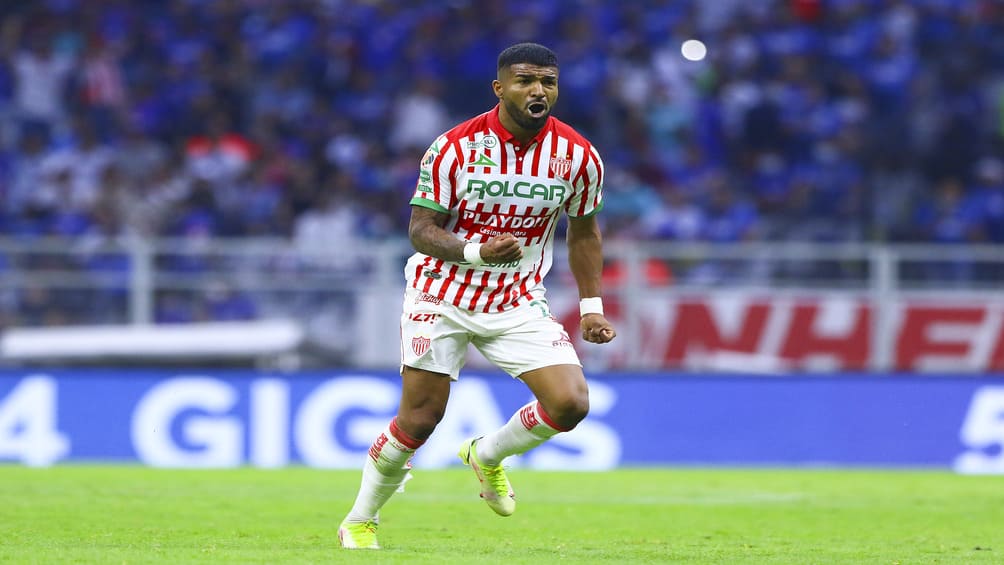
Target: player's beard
{"points": [[524, 119]]}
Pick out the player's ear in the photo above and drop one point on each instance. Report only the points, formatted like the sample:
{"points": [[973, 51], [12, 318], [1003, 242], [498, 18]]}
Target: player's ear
{"points": [[497, 88]]}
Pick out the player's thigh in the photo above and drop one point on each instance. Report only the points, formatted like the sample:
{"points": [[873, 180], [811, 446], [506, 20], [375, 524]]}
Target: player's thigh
{"points": [[537, 342], [424, 395]]}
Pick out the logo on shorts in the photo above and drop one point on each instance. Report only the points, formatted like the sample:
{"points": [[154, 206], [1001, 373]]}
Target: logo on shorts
{"points": [[423, 317], [563, 341], [429, 298], [433, 275], [420, 345]]}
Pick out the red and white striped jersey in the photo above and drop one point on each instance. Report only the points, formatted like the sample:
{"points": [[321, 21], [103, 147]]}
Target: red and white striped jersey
{"points": [[490, 184]]}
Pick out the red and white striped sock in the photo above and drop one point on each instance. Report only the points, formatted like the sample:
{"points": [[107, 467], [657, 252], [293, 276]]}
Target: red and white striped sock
{"points": [[529, 427], [385, 469]]}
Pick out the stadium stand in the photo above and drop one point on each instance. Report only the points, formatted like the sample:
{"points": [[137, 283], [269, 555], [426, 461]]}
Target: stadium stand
{"points": [[840, 121]]}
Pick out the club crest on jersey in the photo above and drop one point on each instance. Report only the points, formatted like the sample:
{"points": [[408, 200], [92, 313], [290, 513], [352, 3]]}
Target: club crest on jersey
{"points": [[420, 345], [561, 167]]}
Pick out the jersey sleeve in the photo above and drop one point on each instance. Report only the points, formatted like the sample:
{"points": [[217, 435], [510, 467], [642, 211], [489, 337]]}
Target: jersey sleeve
{"points": [[587, 198], [435, 177]]}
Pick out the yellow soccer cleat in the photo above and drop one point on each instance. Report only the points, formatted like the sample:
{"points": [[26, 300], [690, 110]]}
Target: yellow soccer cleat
{"points": [[358, 535], [495, 488]]}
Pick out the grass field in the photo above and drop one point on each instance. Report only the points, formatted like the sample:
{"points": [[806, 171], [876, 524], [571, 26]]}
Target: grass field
{"points": [[111, 514]]}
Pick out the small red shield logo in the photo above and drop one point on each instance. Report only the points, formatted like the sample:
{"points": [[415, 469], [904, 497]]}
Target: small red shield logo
{"points": [[561, 167], [528, 417], [420, 345]]}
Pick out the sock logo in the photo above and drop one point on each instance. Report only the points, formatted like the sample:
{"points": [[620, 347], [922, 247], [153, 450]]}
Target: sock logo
{"points": [[528, 416], [377, 447]]}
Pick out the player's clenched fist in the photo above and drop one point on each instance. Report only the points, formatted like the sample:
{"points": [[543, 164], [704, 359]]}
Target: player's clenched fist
{"points": [[503, 248], [596, 329]]}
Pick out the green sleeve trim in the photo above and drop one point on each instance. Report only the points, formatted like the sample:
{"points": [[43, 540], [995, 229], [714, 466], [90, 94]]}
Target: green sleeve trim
{"points": [[594, 211], [426, 203]]}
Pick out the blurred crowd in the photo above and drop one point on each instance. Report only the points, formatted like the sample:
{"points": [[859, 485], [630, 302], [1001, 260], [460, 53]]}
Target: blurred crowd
{"points": [[809, 120]]}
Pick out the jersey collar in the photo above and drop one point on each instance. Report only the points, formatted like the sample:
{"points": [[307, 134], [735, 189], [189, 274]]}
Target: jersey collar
{"points": [[496, 125]]}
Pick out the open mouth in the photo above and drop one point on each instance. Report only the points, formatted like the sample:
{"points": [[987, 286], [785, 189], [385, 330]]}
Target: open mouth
{"points": [[537, 109]]}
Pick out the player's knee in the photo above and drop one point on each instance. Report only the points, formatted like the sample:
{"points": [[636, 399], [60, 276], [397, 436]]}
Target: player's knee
{"points": [[569, 411], [420, 424]]}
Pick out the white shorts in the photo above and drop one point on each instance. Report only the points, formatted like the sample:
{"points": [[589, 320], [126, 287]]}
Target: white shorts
{"points": [[435, 336]]}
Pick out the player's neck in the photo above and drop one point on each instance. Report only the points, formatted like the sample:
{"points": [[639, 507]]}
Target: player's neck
{"points": [[522, 135]]}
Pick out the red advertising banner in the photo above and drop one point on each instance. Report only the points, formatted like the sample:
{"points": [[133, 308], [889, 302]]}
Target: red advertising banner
{"points": [[752, 332]]}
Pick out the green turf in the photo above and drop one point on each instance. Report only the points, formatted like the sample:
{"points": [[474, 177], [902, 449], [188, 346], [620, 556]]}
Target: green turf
{"points": [[99, 514]]}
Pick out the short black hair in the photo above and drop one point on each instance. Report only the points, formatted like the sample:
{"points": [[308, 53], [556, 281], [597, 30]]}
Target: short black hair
{"points": [[532, 53]]}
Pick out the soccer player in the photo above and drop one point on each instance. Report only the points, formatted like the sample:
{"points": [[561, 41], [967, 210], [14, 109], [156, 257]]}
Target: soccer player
{"points": [[483, 218]]}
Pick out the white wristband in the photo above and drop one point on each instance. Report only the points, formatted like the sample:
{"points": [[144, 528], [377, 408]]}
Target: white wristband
{"points": [[472, 254], [591, 305]]}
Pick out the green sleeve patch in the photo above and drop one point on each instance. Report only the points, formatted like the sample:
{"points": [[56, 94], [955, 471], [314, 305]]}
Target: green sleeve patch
{"points": [[426, 203]]}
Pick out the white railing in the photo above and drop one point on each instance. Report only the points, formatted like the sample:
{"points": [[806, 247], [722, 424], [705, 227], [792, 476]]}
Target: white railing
{"points": [[348, 298]]}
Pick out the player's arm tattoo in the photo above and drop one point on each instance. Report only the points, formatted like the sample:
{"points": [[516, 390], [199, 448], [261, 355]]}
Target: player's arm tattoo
{"points": [[428, 236], [585, 254]]}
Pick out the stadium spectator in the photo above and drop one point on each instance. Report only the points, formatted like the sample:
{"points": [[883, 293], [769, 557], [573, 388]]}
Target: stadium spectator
{"points": [[988, 196], [41, 76]]}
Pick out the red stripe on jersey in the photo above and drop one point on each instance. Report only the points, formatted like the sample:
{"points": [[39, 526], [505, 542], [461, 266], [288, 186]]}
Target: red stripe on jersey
{"points": [[418, 271], [479, 290], [453, 180], [461, 209], [479, 208], [524, 285], [564, 130], [553, 228], [535, 170], [471, 153], [491, 296], [599, 168], [537, 278], [503, 159], [437, 187], [583, 173], [430, 280], [445, 284], [463, 287], [515, 300], [488, 153], [599, 179], [427, 285]]}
